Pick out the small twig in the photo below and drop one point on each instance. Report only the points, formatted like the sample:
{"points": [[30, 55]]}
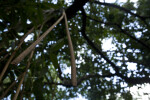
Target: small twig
{"points": [[4, 57], [22, 92]]}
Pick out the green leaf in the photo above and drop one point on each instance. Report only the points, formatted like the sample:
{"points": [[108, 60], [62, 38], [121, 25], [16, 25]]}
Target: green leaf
{"points": [[54, 60], [53, 55], [55, 47]]}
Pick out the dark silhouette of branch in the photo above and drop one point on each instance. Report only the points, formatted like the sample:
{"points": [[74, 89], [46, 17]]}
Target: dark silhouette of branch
{"points": [[128, 80], [93, 45], [137, 80], [75, 7], [68, 83], [132, 81], [122, 30], [134, 38], [143, 18], [70, 12], [86, 77]]}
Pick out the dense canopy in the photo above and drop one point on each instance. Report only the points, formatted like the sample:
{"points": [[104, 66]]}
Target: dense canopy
{"points": [[103, 71]]}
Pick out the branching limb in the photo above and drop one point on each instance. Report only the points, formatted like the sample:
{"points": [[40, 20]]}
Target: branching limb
{"points": [[132, 81]]}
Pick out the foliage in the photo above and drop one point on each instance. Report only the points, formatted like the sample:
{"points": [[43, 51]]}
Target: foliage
{"points": [[101, 73]]}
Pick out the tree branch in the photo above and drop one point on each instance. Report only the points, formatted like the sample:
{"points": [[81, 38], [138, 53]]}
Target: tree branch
{"points": [[68, 83], [123, 9], [128, 80], [75, 7], [93, 45], [138, 80], [122, 30], [86, 77], [132, 81]]}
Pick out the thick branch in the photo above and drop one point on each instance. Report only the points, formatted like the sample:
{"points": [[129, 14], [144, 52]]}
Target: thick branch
{"points": [[137, 80], [75, 7]]}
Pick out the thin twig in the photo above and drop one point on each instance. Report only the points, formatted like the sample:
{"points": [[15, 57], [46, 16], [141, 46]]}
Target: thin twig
{"points": [[20, 83], [6, 91], [28, 65], [13, 54]]}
